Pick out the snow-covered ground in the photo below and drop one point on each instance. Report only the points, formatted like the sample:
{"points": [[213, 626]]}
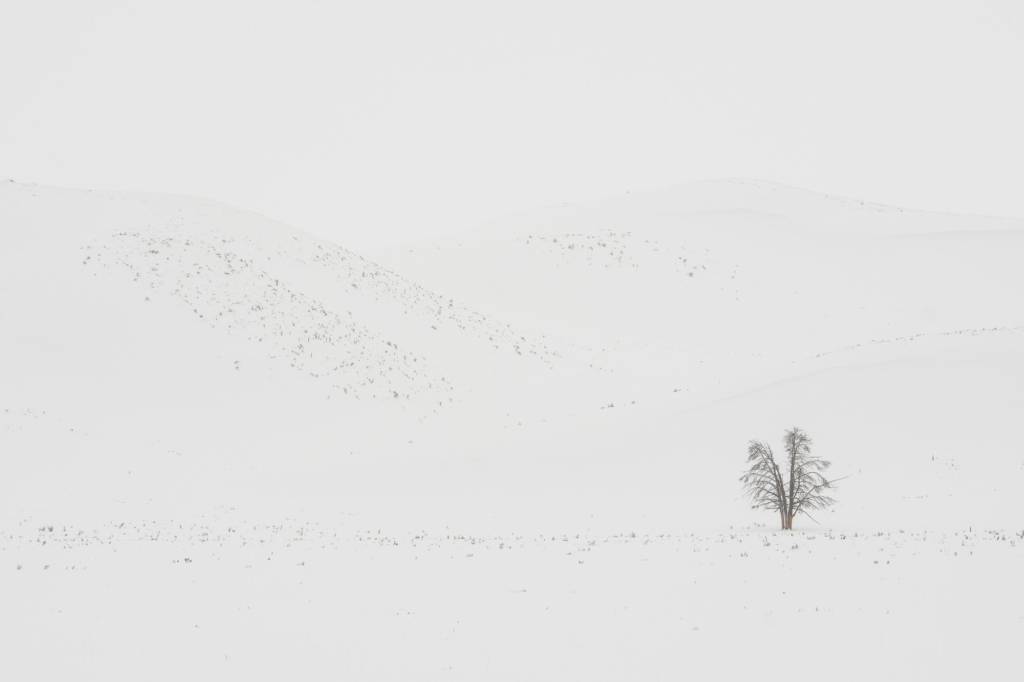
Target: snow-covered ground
{"points": [[233, 450]]}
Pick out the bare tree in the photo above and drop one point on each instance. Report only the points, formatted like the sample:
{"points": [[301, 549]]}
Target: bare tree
{"points": [[805, 490]]}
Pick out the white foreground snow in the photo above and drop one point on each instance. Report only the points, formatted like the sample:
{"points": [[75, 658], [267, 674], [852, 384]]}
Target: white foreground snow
{"points": [[231, 450]]}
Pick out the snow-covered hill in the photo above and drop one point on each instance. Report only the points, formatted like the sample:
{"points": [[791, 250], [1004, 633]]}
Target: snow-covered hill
{"points": [[186, 380], [706, 283]]}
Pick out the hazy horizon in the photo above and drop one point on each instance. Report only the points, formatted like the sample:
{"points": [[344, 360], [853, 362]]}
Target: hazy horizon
{"points": [[378, 124]]}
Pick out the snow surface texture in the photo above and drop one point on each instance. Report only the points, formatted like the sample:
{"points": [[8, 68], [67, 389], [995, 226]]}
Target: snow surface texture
{"points": [[232, 450]]}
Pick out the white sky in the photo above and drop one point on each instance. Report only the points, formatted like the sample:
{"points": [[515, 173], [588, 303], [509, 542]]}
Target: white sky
{"points": [[373, 123]]}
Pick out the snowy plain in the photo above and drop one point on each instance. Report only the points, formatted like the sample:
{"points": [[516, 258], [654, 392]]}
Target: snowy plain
{"points": [[233, 450]]}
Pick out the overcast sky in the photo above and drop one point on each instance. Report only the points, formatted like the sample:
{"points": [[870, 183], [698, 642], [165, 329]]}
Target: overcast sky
{"points": [[374, 123]]}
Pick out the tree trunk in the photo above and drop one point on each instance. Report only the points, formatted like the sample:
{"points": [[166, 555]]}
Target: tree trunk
{"points": [[792, 490]]}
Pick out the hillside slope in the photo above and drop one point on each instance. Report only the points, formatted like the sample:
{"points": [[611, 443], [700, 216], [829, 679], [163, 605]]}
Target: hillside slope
{"points": [[95, 276], [707, 282]]}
